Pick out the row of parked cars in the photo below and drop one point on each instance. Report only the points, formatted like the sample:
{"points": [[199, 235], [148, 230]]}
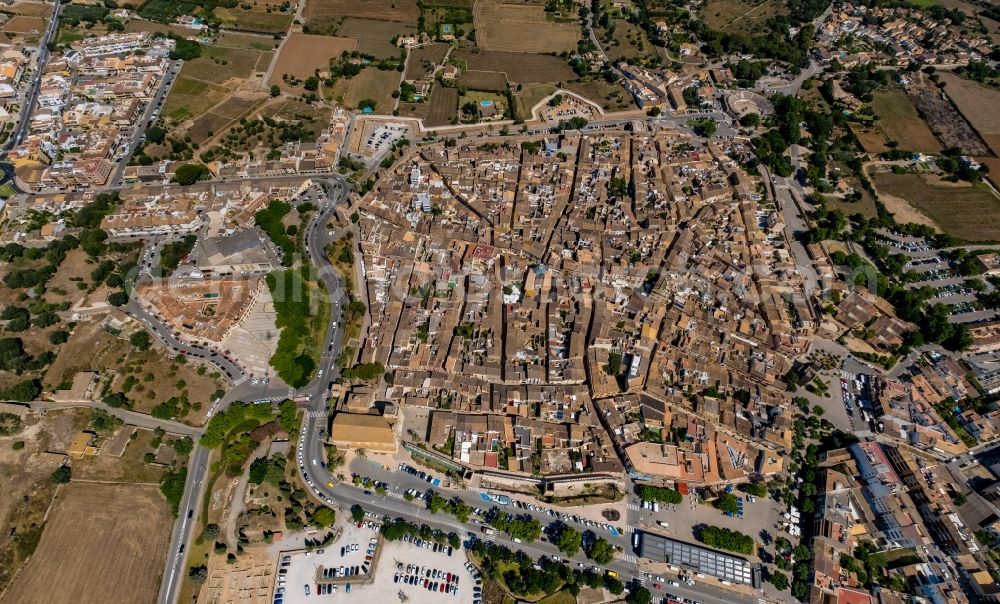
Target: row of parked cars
{"points": [[441, 548], [563, 516]]}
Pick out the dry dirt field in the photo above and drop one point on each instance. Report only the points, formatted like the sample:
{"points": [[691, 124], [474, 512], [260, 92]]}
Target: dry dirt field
{"points": [[969, 212], [900, 121], [102, 543], [515, 28], [219, 65], [25, 483], [303, 54], [978, 104], [404, 11], [520, 67], [24, 25], [421, 61], [241, 40], [153, 372]]}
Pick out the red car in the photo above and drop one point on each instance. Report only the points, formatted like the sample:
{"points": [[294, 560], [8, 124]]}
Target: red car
{"points": [[657, 586], [442, 587]]}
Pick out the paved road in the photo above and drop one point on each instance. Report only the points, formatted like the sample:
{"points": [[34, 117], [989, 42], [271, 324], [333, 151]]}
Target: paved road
{"points": [[173, 576], [345, 495], [29, 99], [335, 188], [133, 418], [162, 332], [155, 103]]}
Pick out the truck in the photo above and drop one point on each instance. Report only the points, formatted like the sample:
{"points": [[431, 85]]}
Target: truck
{"points": [[488, 530], [612, 574]]}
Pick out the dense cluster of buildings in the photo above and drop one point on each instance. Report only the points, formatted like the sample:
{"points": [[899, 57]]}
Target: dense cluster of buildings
{"points": [[857, 34], [549, 322], [89, 109]]}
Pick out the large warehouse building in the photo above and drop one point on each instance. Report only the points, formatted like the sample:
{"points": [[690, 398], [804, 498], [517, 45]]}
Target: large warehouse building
{"points": [[698, 559]]}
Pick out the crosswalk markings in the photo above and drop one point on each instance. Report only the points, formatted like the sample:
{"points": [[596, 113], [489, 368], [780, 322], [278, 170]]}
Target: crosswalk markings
{"points": [[635, 507], [629, 558]]}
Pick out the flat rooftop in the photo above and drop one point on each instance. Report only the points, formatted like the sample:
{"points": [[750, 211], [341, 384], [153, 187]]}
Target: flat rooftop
{"points": [[689, 556]]}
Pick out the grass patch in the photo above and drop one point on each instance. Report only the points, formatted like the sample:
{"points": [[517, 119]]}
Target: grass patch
{"points": [[560, 597], [7, 190]]}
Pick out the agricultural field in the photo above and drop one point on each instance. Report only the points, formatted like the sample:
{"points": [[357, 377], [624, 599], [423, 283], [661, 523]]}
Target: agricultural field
{"points": [[403, 11], [421, 62], [899, 120], [969, 212], [24, 25], [950, 127], [303, 54], [519, 67], [136, 25], [527, 29], [611, 97], [978, 104], [871, 138], [243, 40], [443, 107], [741, 16], [374, 36], [29, 9], [372, 84], [262, 22], [483, 80], [101, 542]]}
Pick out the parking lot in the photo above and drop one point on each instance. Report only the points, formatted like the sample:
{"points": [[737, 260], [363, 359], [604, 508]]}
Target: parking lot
{"points": [[402, 568], [354, 554], [762, 514]]}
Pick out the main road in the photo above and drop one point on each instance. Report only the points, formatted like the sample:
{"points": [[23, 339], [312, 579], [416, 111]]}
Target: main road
{"points": [[36, 82], [344, 495], [335, 188]]}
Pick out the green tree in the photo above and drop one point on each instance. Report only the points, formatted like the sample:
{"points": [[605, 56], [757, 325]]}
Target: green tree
{"points": [[727, 503], [323, 517], [568, 540], [275, 90], [436, 503], [141, 340], [779, 580], [357, 512], [24, 391], [639, 595], [600, 550], [118, 298], [62, 475], [188, 174]]}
